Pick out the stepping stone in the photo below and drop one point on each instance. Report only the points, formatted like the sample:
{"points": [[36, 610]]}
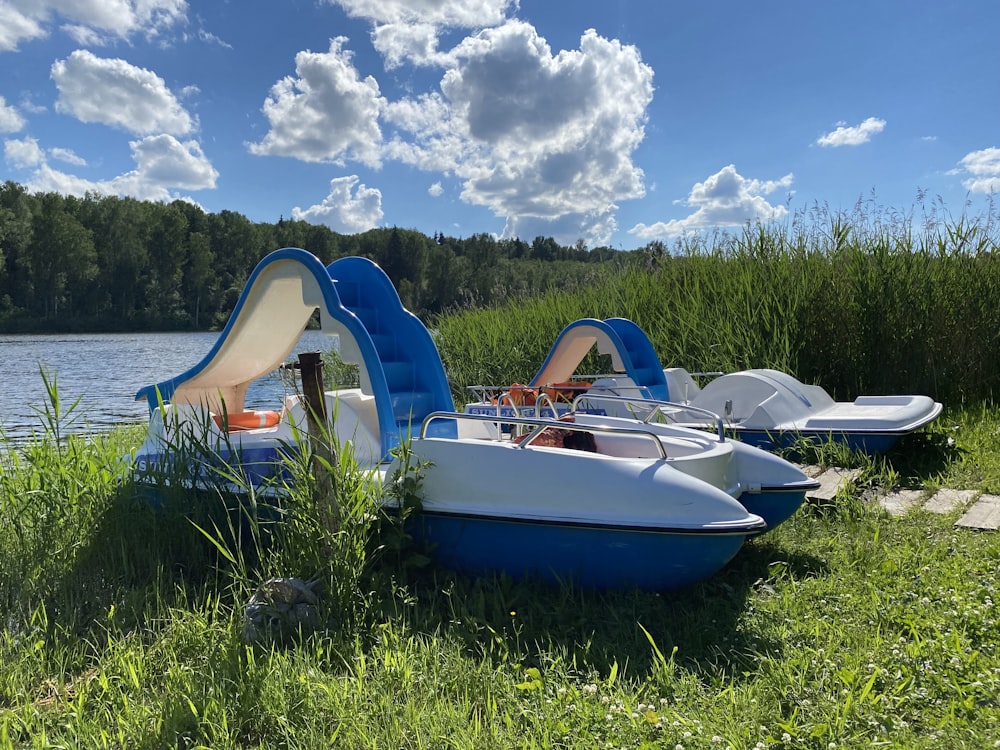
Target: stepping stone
{"points": [[900, 502], [832, 480], [810, 470], [947, 500], [984, 514]]}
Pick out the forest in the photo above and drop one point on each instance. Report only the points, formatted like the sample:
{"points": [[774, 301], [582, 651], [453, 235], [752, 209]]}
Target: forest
{"points": [[106, 263]]}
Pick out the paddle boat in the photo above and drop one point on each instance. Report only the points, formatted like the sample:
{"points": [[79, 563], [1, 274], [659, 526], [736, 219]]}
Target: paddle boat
{"points": [[766, 408], [604, 500]]}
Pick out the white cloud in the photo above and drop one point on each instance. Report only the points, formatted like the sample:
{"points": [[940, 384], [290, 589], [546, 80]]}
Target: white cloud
{"points": [[162, 164], [88, 21], [435, 190], [723, 200], [163, 160], [344, 211], [407, 30], [26, 153], [116, 93], [68, 156], [325, 114], [984, 166], [544, 140], [416, 43], [23, 153], [10, 119], [852, 136], [466, 14]]}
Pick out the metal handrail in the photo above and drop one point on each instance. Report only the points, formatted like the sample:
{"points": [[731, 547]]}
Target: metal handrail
{"points": [[539, 425], [655, 407]]}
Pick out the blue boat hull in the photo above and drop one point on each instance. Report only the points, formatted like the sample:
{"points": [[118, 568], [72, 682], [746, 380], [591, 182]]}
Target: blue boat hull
{"points": [[590, 556], [872, 443], [774, 506]]}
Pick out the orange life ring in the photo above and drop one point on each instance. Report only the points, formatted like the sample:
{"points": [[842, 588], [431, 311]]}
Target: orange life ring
{"points": [[248, 420]]}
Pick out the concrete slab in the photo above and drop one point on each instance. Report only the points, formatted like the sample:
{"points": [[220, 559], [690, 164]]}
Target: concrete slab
{"points": [[832, 480], [810, 470], [948, 500], [901, 502], [984, 514]]}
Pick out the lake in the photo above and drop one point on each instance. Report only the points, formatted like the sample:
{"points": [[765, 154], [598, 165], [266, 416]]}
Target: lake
{"points": [[105, 371]]}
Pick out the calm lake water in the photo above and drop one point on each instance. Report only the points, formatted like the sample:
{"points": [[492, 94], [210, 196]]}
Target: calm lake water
{"points": [[104, 371]]}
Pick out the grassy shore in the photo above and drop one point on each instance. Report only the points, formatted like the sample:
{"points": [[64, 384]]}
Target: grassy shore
{"points": [[842, 628]]}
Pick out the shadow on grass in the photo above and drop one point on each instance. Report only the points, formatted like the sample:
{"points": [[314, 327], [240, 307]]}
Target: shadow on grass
{"points": [[698, 628], [143, 559], [922, 455], [140, 557]]}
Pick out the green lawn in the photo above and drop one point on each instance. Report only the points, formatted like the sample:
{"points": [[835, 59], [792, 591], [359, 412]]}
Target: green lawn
{"points": [[843, 628]]}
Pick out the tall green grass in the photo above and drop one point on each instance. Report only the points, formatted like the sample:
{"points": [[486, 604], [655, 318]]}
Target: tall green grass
{"points": [[867, 301]]}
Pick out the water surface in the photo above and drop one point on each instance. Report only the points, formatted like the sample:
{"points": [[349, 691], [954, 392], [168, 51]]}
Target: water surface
{"points": [[104, 371]]}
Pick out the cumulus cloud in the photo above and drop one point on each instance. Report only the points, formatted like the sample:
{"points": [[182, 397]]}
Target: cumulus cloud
{"points": [[345, 209], [113, 92], [326, 113], [541, 139], [165, 161], [26, 153], [435, 190], [467, 14], [853, 135], [68, 156], [416, 43], [23, 153], [407, 30], [163, 164], [87, 22], [984, 168], [724, 199], [10, 119]]}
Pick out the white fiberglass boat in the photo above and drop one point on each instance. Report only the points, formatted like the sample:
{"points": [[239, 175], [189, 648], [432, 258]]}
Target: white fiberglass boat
{"points": [[766, 408]]}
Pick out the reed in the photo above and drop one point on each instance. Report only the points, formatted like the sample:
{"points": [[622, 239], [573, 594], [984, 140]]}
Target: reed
{"points": [[867, 301]]}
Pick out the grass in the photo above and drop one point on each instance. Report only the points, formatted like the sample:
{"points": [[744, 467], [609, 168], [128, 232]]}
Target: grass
{"points": [[842, 628]]}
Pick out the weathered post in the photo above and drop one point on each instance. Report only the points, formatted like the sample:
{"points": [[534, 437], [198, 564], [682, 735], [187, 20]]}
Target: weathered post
{"points": [[323, 458]]}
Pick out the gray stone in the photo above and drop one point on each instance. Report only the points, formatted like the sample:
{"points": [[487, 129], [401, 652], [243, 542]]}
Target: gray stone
{"points": [[280, 609], [984, 514], [948, 500], [901, 502], [831, 480]]}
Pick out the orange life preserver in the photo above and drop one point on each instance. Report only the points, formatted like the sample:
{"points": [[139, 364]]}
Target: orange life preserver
{"points": [[247, 420], [522, 395], [566, 391]]}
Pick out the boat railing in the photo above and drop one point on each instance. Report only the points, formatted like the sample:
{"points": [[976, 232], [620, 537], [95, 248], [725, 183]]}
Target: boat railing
{"points": [[544, 401], [539, 425], [653, 408]]}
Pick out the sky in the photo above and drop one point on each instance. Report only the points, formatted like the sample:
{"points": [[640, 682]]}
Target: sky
{"points": [[607, 122]]}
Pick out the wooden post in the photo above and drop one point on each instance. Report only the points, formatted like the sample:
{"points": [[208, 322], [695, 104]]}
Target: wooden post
{"points": [[323, 457]]}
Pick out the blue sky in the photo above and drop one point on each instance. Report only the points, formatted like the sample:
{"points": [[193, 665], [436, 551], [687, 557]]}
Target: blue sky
{"points": [[614, 122]]}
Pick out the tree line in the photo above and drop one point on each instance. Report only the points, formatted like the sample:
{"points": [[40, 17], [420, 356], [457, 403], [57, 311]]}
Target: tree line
{"points": [[106, 263]]}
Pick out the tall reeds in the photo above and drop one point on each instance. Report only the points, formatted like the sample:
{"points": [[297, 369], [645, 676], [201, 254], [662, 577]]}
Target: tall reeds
{"points": [[864, 301]]}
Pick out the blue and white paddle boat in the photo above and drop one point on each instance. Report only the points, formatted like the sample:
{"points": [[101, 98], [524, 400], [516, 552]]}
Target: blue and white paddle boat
{"points": [[762, 407], [626, 504]]}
